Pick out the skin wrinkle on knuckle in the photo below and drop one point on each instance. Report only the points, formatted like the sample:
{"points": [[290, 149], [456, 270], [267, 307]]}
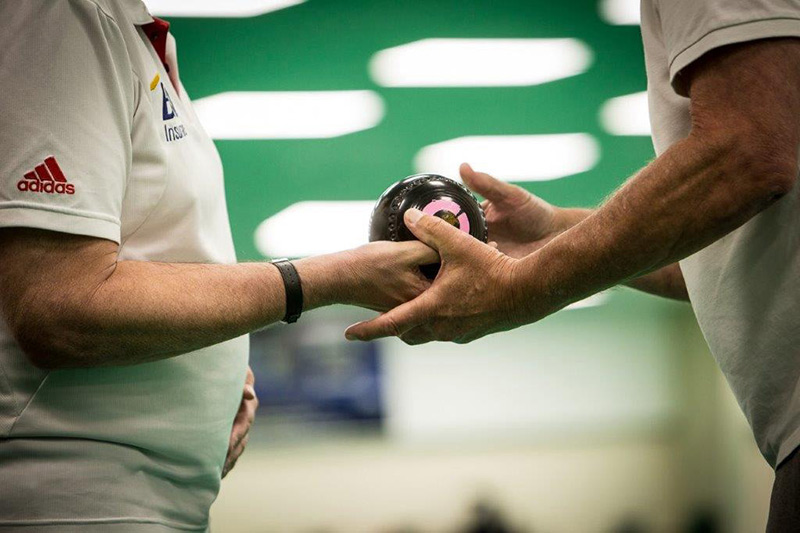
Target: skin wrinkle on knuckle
{"points": [[419, 286], [437, 226], [428, 222], [391, 326]]}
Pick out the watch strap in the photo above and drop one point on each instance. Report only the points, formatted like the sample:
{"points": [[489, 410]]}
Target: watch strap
{"points": [[293, 289]]}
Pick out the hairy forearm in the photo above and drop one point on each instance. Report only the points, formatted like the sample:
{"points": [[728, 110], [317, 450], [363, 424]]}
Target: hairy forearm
{"points": [[100, 311], [666, 281], [692, 195], [146, 311]]}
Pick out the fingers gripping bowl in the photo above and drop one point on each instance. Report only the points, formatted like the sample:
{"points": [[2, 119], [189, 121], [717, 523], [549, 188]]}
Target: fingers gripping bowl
{"points": [[433, 195]]}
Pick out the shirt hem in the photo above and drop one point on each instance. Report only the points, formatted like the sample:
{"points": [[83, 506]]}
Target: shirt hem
{"points": [[102, 521], [737, 33], [62, 219]]}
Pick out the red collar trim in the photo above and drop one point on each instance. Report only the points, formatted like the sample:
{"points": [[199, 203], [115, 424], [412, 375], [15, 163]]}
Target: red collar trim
{"points": [[157, 32]]}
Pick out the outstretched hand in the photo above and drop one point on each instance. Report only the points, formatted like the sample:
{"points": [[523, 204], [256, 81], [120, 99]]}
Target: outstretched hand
{"points": [[472, 295], [386, 274], [519, 222]]}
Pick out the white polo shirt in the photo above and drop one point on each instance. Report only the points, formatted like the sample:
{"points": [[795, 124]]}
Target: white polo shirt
{"points": [[96, 139], [744, 288]]}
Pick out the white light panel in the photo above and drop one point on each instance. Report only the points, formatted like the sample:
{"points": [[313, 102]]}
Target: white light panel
{"points": [[620, 12], [479, 62], [513, 157], [313, 228], [626, 115], [216, 8], [288, 114]]}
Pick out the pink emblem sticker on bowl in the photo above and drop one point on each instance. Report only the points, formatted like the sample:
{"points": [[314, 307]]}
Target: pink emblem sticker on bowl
{"points": [[446, 204]]}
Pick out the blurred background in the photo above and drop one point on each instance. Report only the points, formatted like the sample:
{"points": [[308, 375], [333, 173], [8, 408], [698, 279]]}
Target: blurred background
{"points": [[610, 416]]}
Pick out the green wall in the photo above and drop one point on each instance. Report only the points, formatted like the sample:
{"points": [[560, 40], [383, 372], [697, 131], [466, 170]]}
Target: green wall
{"points": [[327, 44]]}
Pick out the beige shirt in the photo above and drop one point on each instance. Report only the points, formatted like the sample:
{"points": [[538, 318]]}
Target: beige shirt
{"points": [[97, 140], [744, 288]]}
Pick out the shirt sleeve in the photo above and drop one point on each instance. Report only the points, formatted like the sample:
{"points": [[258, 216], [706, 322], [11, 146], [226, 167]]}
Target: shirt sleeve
{"points": [[67, 96], [693, 27]]}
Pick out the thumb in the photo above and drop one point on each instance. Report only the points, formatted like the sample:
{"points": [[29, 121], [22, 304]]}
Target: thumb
{"points": [[431, 230], [393, 323], [420, 253], [487, 186]]}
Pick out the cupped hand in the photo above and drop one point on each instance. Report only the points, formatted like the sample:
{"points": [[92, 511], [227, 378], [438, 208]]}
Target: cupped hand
{"points": [[519, 222], [386, 274], [472, 296], [242, 423]]}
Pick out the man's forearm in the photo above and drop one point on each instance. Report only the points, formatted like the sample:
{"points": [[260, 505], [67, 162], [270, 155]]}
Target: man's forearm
{"points": [[99, 311], [740, 156], [183, 307], [692, 195], [145, 311], [666, 281]]}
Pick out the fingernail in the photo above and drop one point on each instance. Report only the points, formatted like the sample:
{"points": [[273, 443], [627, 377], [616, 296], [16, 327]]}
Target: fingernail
{"points": [[412, 215]]}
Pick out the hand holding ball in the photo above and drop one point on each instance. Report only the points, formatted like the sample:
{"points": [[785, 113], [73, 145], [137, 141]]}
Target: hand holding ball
{"points": [[433, 195]]}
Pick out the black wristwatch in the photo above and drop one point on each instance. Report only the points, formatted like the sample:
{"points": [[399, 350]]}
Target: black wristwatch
{"points": [[293, 289]]}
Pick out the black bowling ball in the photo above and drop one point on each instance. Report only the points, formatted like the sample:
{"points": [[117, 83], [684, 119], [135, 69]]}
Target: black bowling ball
{"points": [[433, 195]]}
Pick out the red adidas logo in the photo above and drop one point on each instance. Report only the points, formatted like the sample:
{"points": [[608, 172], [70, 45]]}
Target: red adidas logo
{"points": [[46, 178]]}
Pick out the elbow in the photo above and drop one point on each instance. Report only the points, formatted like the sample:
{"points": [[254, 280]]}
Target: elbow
{"points": [[756, 168], [784, 184], [45, 353], [42, 357], [51, 344], [771, 179]]}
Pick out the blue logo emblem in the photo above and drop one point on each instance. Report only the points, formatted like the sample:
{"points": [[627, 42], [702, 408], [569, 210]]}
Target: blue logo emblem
{"points": [[167, 109]]}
